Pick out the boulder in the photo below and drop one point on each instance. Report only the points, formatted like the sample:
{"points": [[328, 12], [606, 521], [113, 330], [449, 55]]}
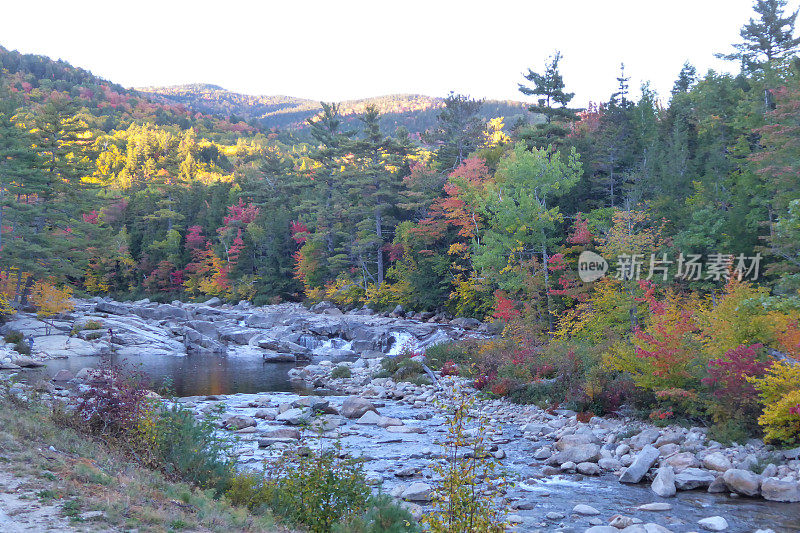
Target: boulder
{"points": [[238, 422], [717, 461], [282, 433], [369, 418], [578, 453], [664, 482], [26, 362], [356, 406], [681, 461], [742, 481], [585, 510], [588, 469], [417, 492], [113, 308], [644, 460], [568, 441], [295, 416], [648, 436], [466, 323], [776, 490], [694, 478], [713, 523]]}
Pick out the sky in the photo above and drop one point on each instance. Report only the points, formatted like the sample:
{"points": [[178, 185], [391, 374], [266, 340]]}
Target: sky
{"points": [[347, 49]]}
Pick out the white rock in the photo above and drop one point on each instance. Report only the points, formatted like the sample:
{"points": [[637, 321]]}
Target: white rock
{"points": [[713, 523]]}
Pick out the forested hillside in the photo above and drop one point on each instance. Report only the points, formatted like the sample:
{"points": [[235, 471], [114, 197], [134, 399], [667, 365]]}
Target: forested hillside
{"points": [[692, 198], [416, 113]]}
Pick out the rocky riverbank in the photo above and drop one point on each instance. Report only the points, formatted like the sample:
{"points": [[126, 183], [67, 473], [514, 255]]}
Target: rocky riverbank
{"points": [[602, 475], [277, 333]]}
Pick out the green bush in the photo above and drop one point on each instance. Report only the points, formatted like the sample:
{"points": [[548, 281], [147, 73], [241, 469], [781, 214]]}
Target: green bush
{"points": [[93, 336], [187, 449], [384, 516], [23, 348], [341, 371], [13, 337], [316, 491], [93, 325]]}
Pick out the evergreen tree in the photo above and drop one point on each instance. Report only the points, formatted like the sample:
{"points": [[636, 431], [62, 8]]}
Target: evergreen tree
{"points": [[549, 86], [770, 37], [48, 237], [686, 78], [459, 131]]}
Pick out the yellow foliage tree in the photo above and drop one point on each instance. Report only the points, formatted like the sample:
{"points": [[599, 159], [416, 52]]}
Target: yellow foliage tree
{"points": [[780, 393]]}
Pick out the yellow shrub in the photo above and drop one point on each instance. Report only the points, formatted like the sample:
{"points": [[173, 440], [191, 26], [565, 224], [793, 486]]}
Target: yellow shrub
{"points": [[344, 292], [781, 420], [780, 393]]}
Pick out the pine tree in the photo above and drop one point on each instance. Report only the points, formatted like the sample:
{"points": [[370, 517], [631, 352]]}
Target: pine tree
{"points": [[770, 37], [549, 85], [48, 236], [686, 78], [380, 163], [459, 131]]}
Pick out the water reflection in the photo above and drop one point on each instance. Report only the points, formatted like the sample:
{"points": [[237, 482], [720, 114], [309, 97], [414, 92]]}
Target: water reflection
{"points": [[188, 375]]}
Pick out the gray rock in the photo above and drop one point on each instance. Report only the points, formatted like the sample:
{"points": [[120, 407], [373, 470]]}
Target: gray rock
{"points": [[694, 478], [63, 375], [648, 436], [585, 510], [681, 461], [713, 523], [655, 506], [644, 460], [602, 529], [742, 481], [417, 492], [664, 482], [588, 469], [717, 461], [238, 422], [356, 406], [281, 433], [776, 490], [369, 418], [26, 362], [295, 416], [578, 453]]}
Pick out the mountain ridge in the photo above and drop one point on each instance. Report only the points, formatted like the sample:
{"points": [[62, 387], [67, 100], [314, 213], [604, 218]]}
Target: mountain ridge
{"points": [[415, 111]]}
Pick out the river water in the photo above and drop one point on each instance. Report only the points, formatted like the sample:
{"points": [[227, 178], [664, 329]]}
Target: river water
{"points": [[187, 375]]}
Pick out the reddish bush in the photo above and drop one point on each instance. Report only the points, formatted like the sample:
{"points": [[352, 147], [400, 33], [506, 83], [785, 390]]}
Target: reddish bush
{"points": [[450, 368], [728, 380], [114, 401]]}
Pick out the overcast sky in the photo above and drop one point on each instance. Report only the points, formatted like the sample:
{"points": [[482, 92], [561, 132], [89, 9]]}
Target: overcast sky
{"points": [[335, 50]]}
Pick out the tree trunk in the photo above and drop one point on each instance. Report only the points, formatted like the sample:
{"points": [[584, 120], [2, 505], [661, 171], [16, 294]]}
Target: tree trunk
{"points": [[379, 233]]}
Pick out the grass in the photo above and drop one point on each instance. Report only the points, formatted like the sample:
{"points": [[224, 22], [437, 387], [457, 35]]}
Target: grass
{"points": [[84, 475]]}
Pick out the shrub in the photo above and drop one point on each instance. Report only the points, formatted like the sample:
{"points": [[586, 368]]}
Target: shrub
{"points": [[13, 337], [779, 390], [461, 505], [173, 441], [117, 408], [341, 371], [112, 406], [22, 348], [316, 491], [93, 336], [450, 368], [93, 325], [733, 397], [384, 516]]}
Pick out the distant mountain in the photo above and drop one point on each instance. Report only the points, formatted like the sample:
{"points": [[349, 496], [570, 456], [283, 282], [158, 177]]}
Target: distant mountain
{"points": [[413, 111]]}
